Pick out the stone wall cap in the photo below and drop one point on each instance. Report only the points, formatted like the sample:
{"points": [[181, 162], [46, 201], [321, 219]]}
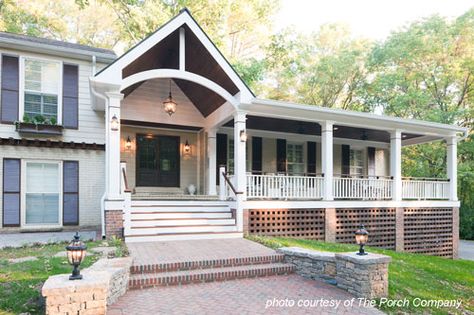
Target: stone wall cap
{"points": [[61, 283], [368, 259], [309, 253]]}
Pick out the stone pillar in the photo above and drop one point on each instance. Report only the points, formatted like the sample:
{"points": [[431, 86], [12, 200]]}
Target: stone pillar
{"points": [[396, 164], [330, 225], [399, 229], [327, 158], [212, 166], [363, 276], [452, 166], [455, 232]]}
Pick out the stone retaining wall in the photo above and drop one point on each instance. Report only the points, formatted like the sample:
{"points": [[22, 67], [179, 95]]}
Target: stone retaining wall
{"points": [[363, 276], [102, 284]]}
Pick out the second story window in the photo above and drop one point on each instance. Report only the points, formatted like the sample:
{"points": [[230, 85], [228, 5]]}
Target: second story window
{"points": [[357, 162], [41, 89]]}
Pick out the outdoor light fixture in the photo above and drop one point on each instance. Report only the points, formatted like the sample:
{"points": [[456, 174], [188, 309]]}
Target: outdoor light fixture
{"points": [[128, 143], [187, 147], [76, 252], [169, 105], [114, 123], [361, 236], [243, 136]]}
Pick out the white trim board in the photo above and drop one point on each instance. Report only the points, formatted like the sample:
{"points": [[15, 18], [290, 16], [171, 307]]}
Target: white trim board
{"points": [[282, 204]]}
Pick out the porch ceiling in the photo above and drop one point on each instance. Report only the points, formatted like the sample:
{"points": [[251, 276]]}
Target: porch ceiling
{"points": [[165, 55], [309, 128]]}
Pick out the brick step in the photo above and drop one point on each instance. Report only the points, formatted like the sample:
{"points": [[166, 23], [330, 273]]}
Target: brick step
{"points": [[206, 264], [140, 281]]}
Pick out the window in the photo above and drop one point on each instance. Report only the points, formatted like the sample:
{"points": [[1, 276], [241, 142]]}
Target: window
{"points": [[42, 193], [357, 162], [294, 157], [230, 156], [41, 89]]}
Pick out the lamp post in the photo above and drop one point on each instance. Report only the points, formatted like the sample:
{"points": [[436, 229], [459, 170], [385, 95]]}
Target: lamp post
{"points": [[76, 252], [361, 236]]}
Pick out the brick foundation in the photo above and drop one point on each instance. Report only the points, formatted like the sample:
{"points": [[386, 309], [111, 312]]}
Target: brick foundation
{"points": [[114, 223], [431, 231]]}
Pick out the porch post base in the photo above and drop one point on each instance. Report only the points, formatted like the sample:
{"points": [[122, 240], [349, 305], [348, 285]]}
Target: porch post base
{"points": [[330, 225], [399, 229], [114, 223]]}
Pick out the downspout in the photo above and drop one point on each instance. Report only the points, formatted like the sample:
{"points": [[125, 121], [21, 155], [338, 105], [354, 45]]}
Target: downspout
{"points": [[102, 199]]}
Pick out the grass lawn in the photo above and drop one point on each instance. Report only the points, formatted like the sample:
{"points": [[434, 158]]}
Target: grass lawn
{"points": [[410, 275], [20, 283]]}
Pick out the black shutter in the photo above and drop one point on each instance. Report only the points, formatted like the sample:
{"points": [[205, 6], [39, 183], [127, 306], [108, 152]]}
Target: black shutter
{"points": [[256, 155], [281, 155], [221, 154], [346, 160], [311, 158], [11, 192], [371, 161], [70, 96], [10, 89], [70, 193]]}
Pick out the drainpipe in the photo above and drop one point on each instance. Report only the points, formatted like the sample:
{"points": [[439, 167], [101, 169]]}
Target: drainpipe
{"points": [[102, 199]]}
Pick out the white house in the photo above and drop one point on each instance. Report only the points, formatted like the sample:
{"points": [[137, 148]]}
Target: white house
{"points": [[112, 155]]}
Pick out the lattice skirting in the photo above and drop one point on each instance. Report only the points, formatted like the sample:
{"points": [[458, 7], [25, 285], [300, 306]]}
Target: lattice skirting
{"points": [[297, 223], [429, 231], [380, 223]]}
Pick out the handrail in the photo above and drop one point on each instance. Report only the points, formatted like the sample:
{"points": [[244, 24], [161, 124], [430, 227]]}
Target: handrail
{"points": [[436, 179], [125, 181], [363, 176], [230, 184]]}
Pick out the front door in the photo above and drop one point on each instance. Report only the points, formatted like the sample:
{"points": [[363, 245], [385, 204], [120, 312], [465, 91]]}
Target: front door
{"points": [[157, 161]]}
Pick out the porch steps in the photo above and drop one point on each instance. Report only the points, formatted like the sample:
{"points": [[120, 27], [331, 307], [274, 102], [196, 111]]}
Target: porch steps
{"points": [[166, 220], [186, 272]]}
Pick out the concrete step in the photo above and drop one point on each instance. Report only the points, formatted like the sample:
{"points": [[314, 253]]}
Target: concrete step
{"points": [[154, 230], [156, 215], [181, 236], [177, 209], [193, 264], [179, 222], [146, 280], [179, 203]]}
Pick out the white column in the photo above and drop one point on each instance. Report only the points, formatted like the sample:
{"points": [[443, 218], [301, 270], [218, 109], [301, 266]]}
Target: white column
{"points": [[112, 148], [327, 158], [452, 167], [239, 167], [211, 155], [396, 164]]}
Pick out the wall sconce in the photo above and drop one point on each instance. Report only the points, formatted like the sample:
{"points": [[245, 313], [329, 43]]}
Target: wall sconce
{"points": [[361, 236], [243, 136], [128, 143], [187, 148], [114, 124]]}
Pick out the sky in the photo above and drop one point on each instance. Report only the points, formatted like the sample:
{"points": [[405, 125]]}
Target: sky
{"points": [[368, 18]]}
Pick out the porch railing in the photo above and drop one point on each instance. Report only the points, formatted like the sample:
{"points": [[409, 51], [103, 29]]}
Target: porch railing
{"points": [[423, 189], [284, 187], [359, 188]]}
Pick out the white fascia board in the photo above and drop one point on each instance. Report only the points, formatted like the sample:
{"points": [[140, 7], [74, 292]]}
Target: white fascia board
{"points": [[278, 109], [351, 204], [421, 140], [59, 51]]}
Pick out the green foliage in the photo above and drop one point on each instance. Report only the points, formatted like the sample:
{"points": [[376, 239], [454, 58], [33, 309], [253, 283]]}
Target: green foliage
{"points": [[410, 275]]}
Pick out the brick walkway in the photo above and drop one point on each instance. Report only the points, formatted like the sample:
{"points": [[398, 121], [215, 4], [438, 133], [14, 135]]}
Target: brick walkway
{"points": [[246, 296]]}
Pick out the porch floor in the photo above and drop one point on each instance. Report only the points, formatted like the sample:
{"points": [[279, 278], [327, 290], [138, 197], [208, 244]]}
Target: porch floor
{"points": [[165, 252]]}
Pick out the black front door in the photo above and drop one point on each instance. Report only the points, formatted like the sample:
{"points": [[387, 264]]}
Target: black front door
{"points": [[157, 161]]}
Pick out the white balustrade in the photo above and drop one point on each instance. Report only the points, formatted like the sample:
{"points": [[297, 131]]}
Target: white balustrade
{"points": [[284, 187], [362, 188], [425, 189]]}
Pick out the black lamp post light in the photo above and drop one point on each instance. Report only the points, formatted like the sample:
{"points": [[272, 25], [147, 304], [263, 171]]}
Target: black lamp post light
{"points": [[76, 252], [361, 236]]}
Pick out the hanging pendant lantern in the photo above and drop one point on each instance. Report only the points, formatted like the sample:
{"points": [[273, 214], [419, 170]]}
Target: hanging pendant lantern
{"points": [[169, 105]]}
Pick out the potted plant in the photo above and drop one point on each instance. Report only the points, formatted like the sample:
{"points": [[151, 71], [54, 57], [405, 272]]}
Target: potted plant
{"points": [[40, 125]]}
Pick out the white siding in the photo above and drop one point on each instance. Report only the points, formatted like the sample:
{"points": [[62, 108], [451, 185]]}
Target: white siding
{"points": [[269, 155], [382, 162], [91, 175], [91, 123]]}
